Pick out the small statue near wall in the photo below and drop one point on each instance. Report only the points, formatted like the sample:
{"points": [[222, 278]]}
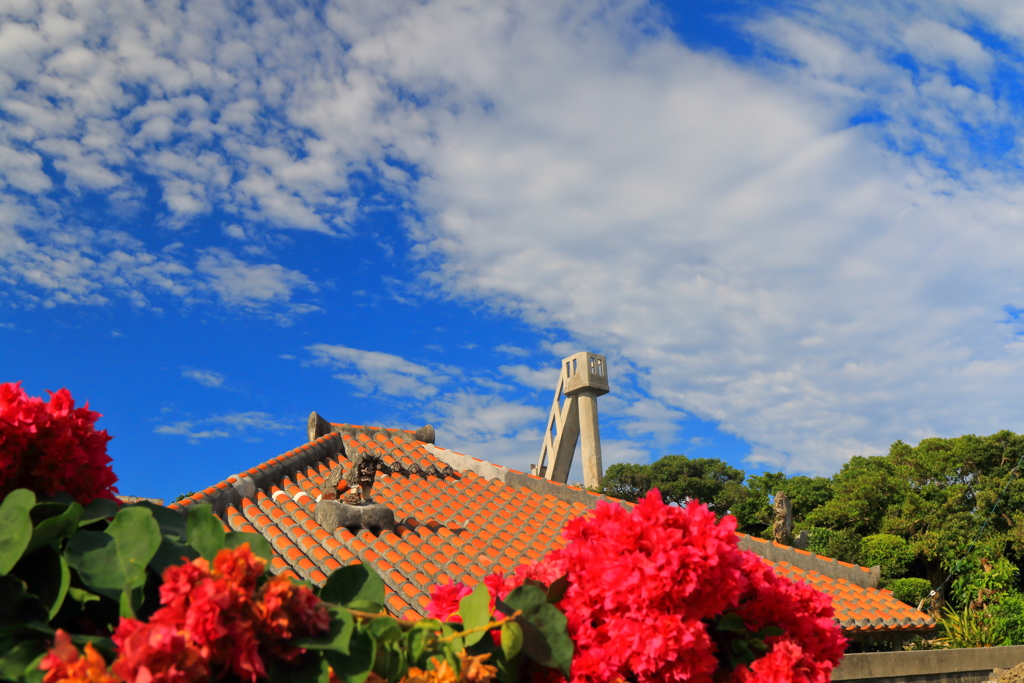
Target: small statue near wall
{"points": [[782, 529], [356, 508]]}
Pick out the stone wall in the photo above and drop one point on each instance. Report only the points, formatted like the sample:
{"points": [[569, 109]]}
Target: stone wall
{"points": [[968, 665]]}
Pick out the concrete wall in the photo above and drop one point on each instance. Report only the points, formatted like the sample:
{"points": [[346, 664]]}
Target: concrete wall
{"points": [[969, 665]]}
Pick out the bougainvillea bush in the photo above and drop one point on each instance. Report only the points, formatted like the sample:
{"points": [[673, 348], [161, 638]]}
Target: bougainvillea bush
{"points": [[663, 593], [95, 591], [51, 446]]}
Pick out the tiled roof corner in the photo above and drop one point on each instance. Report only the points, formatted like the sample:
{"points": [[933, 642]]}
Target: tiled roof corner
{"points": [[775, 552], [232, 490]]}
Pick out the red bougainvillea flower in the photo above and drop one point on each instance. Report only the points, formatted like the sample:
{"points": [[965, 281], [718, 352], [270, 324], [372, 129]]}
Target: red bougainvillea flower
{"points": [[228, 618], [646, 585], [52, 446], [63, 663], [288, 611]]}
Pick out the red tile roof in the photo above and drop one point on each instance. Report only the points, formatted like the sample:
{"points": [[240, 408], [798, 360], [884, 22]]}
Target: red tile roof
{"points": [[458, 525]]}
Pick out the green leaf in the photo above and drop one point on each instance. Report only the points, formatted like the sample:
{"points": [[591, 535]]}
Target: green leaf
{"points": [[82, 597], [732, 623], [511, 639], [742, 654], [44, 509], [171, 553], [33, 674], [557, 589], [17, 606], [357, 665], [137, 538], [205, 531], [419, 637], [475, 613], [416, 642], [57, 527], [93, 554], [171, 522], [15, 527], [337, 638], [356, 586], [768, 631], [259, 545], [15, 662], [384, 630], [308, 668], [101, 508], [65, 585], [545, 629], [391, 663], [46, 576], [448, 630]]}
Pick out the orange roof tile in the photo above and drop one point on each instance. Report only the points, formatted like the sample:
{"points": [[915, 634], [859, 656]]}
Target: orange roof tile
{"points": [[459, 525]]}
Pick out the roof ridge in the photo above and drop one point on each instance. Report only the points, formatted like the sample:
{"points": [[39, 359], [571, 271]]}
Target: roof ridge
{"points": [[232, 490], [834, 569], [544, 487]]}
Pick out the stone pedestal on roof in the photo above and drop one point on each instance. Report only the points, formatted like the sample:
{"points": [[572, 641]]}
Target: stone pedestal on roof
{"points": [[333, 514]]}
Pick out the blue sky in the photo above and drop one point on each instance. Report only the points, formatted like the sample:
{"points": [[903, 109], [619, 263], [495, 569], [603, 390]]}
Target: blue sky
{"points": [[793, 228]]}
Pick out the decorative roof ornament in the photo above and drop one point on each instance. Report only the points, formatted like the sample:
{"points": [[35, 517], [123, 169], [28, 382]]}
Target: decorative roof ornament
{"points": [[356, 508], [583, 378]]}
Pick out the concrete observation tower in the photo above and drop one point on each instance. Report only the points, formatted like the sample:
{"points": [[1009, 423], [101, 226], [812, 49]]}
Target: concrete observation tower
{"points": [[583, 377]]}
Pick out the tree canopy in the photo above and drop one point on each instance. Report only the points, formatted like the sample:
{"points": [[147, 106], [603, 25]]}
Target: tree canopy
{"points": [[680, 480]]}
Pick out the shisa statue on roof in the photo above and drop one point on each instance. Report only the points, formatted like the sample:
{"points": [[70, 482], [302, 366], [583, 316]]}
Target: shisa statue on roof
{"points": [[356, 508], [357, 486]]}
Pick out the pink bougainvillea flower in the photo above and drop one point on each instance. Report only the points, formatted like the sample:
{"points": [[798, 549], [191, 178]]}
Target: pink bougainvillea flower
{"points": [[444, 601]]}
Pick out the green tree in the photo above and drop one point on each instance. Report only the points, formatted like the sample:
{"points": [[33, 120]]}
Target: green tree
{"points": [[888, 551], [862, 493], [679, 479], [937, 496], [754, 513], [627, 481]]}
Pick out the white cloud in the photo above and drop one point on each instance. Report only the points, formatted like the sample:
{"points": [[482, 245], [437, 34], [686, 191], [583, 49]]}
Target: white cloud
{"points": [[246, 284], [512, 350], [478, 418], [74, 264], [208, 378], [234, 231], [820, 290], [535, 378], [645, 418], [488, 427], [239, 422], [378, 372], [185, 429], [253, 420]]}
